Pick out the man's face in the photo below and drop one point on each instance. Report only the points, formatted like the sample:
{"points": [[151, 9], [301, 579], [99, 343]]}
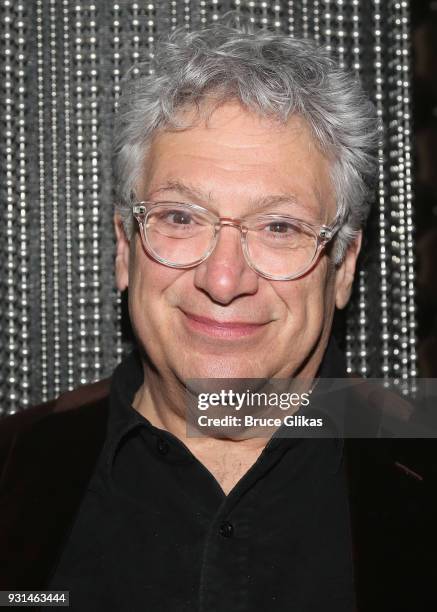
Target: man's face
{"points": [[221, 319]]}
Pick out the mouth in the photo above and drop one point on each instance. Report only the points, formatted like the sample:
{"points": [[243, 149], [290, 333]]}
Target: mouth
{"points": [[221, 329]]}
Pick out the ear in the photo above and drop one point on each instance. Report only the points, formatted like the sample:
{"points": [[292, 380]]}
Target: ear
{"points": [[344, 276], [122, 255]]}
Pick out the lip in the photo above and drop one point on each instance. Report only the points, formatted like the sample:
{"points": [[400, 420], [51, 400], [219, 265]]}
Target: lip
{"points": [[221, 329]]}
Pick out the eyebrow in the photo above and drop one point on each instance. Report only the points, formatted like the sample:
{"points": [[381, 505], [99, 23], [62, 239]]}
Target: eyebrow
{"points": [[188, 190], [185, 189]]}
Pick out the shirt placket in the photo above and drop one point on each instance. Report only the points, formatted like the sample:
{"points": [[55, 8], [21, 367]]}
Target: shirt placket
{"points": [[225, 578]]}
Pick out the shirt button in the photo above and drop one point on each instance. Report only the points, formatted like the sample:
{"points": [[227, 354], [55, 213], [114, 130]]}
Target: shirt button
{"points": [[162, 446], [226, 529]]}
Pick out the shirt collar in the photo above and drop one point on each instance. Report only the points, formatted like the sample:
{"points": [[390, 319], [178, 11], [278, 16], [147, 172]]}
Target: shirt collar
{"points": [[127, 378]]}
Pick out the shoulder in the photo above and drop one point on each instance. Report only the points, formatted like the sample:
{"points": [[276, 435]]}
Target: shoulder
{"points": [[392, 488], [384, 445], [39, 431], [49, 454], [84, 395]]}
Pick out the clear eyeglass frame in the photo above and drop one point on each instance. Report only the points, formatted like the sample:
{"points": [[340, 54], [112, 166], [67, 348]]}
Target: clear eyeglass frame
{"points": [[323, 234]]}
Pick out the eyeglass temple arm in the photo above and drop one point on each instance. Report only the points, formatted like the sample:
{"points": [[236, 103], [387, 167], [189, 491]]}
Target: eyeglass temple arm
{"points": [[327, 232]]}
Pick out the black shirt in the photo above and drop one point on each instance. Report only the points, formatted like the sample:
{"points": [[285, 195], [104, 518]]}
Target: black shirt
{"points": [[155, 531]]}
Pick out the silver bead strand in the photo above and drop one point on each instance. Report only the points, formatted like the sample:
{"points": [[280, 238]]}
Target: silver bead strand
{"points": [[341, 34], [116, 76], [135, 38], [305, 18], [402, 142], [187, 14], [397, 188], [151, 25], [174, 13], [277, 16], [80, 230], [9, 90], [362, 323], [405, 208], [237, 8], [95, 194], [316, 20], [363, 360], [252, 18], [291, 18], [116, 42], [23, 203], [356, 61], [409, 331], [42, 199], [215, 14], [356, 335], [6, 69], [67, 191], [382, 194], [327, 28], [55, 201], [264, 14]]}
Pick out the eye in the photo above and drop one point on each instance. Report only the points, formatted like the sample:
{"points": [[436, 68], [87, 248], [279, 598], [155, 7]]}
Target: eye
{"points": [[177, 217], [281, 227]]}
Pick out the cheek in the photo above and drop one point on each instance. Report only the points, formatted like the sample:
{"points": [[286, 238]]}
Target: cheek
{"points": [[307, 300], [146, 276], [145, 286], [150, 284]]}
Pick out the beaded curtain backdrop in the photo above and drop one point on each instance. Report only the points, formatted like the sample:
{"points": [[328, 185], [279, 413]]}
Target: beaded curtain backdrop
{"points": [[61, 319]]}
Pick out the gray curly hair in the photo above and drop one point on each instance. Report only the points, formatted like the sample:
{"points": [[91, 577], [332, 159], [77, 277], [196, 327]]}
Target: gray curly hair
{"points": [[269, 73]]}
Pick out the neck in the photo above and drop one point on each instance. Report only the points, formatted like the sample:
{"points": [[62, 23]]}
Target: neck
{"points": [[162, 403], [162, 399]]}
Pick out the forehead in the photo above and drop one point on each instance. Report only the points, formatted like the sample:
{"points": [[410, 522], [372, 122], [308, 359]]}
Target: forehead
{"points": [[236, 155]]}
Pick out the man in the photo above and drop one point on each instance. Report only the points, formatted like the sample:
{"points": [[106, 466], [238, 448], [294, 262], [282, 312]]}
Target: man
{"points": [[243, 163]]}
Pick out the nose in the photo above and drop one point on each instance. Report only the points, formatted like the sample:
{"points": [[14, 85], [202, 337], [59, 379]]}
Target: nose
{"points": [[225, 275]]}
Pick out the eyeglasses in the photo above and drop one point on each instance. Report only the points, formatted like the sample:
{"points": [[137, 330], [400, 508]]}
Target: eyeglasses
{"points": [[277, 247]]}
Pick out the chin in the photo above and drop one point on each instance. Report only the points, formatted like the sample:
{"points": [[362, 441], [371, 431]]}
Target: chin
{"points": [[224, 367]]}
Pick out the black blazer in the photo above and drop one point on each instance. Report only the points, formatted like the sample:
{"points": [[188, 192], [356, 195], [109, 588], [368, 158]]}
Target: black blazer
{"points": [[47, 455]]}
